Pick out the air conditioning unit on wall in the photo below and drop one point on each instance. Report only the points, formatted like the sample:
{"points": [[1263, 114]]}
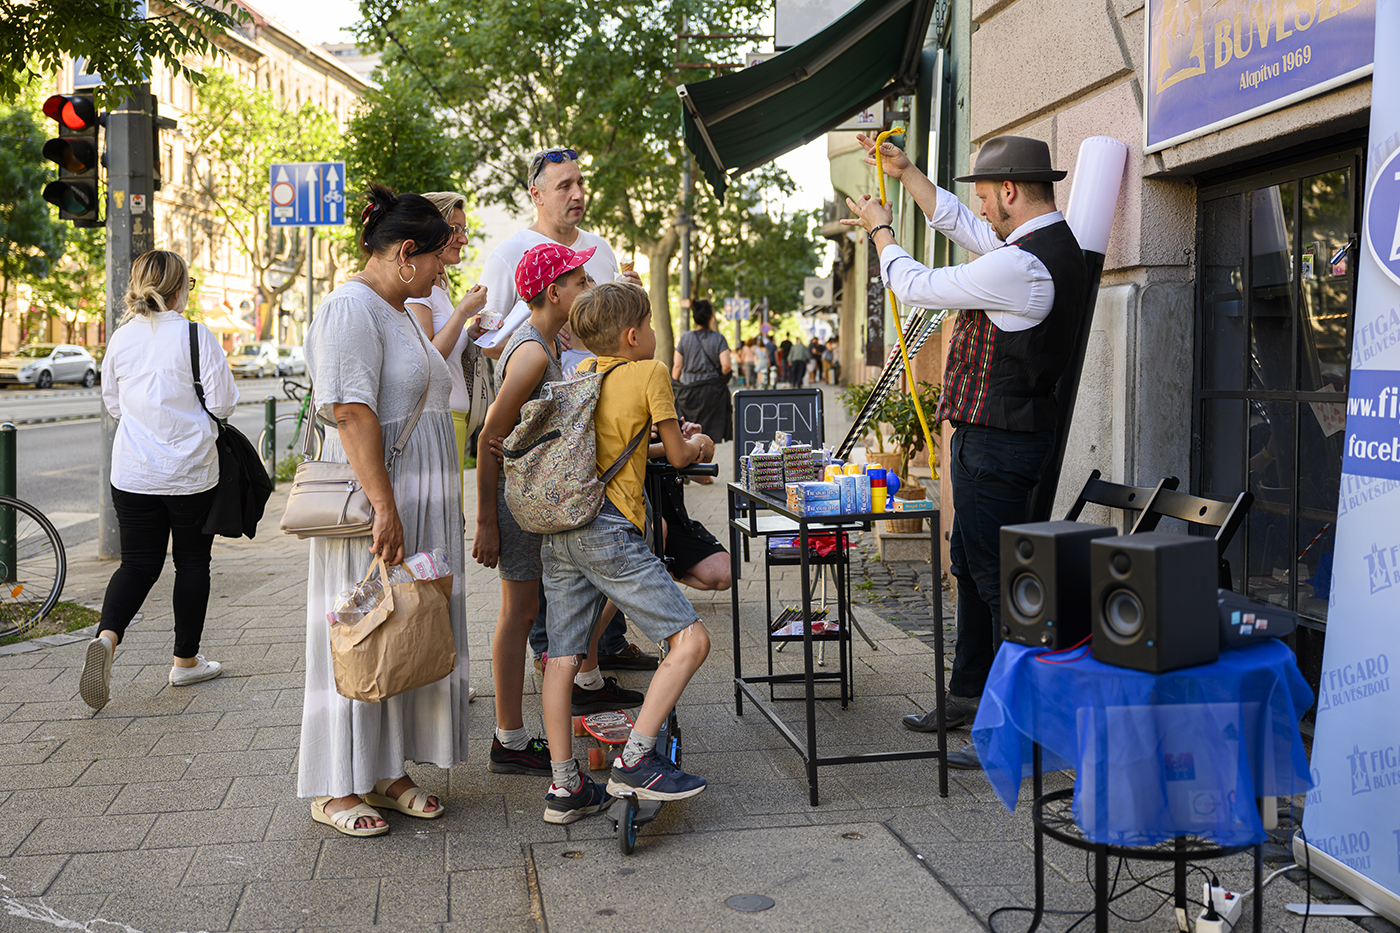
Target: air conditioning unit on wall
{"points": [[816, 291]]}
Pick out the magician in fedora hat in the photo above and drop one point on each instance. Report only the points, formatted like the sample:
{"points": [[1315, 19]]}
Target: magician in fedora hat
{"points": [[1019, 303]]}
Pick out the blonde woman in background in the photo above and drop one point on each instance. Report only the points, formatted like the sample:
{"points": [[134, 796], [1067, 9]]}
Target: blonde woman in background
{"points": [[164, 466], [453, 329]]}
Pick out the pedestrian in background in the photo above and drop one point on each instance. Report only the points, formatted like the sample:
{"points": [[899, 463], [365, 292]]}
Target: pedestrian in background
{"points": [[700, 368], [746, 367], [760, 363], [164, 466], [371, 364], [454, 329]]}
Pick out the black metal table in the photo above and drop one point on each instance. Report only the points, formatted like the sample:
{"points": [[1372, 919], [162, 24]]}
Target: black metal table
{"points": [[745, 522]]}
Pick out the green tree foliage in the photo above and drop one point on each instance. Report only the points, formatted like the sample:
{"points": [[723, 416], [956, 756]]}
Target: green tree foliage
{"points": [[38, 36], [79, 282], [238, 132], [598, 76], [745, 247], [397, 138], [31, 239]]}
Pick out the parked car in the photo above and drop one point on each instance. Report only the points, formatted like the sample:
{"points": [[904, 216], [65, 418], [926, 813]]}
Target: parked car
{"points": [[43, 364], [290, 361], [253, 359]]}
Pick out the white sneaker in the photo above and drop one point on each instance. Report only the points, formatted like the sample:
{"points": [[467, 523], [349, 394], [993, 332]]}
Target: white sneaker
{"points": [[202, 671], [95, 682]]}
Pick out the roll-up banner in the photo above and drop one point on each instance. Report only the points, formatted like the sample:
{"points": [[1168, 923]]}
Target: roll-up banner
{"points": [[1215, 63], [1351, 821]]}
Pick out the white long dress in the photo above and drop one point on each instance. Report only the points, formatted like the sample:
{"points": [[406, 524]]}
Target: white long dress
{"points": [[360, 349]]}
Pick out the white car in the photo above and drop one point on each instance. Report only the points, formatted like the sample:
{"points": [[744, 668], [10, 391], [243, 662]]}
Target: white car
{"points": [[291, 361], [43, 364], [253, 359]]}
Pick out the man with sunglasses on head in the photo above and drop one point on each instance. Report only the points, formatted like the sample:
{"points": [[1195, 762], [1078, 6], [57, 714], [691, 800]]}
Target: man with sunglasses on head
{"points": [[556, 187]]}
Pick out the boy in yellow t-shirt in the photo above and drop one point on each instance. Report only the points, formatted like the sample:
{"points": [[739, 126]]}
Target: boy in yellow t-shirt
{"points": [[609, 559]]}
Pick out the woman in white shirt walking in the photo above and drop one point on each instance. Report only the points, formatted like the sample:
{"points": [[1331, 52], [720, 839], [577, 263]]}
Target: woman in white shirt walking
{"points": [[164, 466]]}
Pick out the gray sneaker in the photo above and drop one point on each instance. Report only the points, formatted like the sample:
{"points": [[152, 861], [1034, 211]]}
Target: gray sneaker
{"points": [[203, 670], [96, 680]]}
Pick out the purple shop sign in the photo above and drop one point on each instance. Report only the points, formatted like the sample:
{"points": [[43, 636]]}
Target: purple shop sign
{"points": [[1373, 424], [1212, 65], [1383, 217]]}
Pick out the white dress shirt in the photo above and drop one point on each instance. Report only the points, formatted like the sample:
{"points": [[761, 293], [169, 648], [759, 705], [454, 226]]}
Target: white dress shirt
{"points": [[164, 444], [1012, 286]]}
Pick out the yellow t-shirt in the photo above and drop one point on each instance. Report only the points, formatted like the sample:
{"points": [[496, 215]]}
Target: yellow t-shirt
{"points": [[631, 393]]}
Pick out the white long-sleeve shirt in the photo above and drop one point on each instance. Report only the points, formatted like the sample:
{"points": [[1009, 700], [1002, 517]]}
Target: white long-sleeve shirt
{"points": [[164, 444], [1012, 286]]}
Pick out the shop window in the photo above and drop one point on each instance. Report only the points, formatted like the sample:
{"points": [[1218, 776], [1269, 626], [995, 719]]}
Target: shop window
{"points": [[1275, 286]]}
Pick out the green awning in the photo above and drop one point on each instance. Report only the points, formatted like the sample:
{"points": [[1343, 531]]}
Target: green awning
{"points": [[737, 122]]}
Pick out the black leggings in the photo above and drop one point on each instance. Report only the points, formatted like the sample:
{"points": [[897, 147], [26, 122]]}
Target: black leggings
{"points": [[147, 523]]}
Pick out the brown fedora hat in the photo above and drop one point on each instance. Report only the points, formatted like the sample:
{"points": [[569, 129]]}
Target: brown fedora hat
{"points": [[1015, 158]]}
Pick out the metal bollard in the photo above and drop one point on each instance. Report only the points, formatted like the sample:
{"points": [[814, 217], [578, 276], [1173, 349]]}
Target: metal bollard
{"points": [[9, 547], [270, 454]]}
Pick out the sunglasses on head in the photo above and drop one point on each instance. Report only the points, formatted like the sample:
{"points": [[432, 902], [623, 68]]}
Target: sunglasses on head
{"points": [[549, 155]]}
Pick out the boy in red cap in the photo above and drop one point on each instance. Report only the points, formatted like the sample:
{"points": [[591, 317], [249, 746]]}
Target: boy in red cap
{"points": [[549, 277]]}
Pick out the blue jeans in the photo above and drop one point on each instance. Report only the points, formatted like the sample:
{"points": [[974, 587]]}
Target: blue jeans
{"points": [[993, 473]]}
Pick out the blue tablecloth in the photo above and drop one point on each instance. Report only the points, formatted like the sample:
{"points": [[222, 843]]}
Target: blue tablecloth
{"points": [[1155, 756]]}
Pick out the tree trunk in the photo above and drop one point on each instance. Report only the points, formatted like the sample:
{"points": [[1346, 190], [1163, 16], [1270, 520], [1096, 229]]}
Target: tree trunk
{"points": [[659, 254]]}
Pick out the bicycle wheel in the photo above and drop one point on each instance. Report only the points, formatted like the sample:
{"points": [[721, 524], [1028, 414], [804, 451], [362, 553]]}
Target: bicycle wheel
{"points": [[287, 426], [33, 565]]}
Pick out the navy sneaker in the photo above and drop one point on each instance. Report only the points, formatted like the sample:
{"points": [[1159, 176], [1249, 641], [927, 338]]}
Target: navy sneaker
{"points": [[532, 759], [653, 778], [563, 807], [609, 696]]}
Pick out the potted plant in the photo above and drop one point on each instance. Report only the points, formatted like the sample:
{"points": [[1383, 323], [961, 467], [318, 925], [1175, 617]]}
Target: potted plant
{"points": [[907, 435]]}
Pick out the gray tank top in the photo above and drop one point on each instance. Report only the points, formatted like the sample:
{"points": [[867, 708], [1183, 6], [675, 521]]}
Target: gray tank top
{"points": [[552, 371]]}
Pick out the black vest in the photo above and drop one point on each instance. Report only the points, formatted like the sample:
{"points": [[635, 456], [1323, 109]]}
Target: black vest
{"points": [[1006, 379]]}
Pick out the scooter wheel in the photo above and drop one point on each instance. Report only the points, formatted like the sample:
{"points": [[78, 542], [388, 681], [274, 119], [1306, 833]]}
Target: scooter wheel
{"points": [[627, 827]]}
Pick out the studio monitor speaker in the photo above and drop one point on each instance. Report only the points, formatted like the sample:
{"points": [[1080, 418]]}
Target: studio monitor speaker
{"points": [[1154, 601], [1045, 582]]}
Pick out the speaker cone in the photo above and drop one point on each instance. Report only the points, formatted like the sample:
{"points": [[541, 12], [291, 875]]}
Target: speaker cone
{"points": [[1027, 596], [1123, 615]]}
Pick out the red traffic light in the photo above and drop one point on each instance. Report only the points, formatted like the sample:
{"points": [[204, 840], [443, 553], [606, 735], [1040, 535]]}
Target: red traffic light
{"points": [[75, 111]]}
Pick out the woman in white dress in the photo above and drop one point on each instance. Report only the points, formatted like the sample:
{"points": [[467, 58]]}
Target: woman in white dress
{"points": [[370, 362], [453, 328]]}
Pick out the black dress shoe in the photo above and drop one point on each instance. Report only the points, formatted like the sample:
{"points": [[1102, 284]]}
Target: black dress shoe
{"points": [[630, 658], [960, 711], [965, 759]]}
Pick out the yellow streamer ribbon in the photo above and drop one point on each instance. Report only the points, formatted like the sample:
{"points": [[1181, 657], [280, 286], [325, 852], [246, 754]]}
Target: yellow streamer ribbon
{"points": [[898, 326]]}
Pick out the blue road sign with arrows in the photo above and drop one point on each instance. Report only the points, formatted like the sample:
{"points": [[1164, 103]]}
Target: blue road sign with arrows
{"points": [[308, 194]]}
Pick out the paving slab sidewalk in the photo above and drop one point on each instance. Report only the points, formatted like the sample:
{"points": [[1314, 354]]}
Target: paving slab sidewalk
{"points": [[174, 809]]}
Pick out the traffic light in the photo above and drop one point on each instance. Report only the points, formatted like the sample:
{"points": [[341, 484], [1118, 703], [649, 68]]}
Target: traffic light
{"points": [[76, 151]]}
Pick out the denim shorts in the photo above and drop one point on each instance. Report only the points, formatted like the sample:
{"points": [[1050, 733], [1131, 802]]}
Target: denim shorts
{"points": [[607, 559]]}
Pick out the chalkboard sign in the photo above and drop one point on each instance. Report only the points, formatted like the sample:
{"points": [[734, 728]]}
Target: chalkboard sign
{"points": [[758, 413]]}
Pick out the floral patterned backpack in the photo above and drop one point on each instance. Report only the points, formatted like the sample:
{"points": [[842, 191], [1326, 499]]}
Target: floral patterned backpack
{"points": [[551, 457]]}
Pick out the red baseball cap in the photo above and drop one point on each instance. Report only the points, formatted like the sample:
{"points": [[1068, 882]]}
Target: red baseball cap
{"points": [[545, 263]]}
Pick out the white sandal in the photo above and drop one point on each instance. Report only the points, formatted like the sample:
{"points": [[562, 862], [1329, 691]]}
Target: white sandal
{"points": [[413, 802], [344, 820]]}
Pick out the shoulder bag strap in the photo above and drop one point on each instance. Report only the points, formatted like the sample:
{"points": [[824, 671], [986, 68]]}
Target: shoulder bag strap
{"points": [[194, 370], [402, 440]]}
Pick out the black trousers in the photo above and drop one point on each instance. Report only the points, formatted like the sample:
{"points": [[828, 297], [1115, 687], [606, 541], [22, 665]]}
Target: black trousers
{"points": [[147, 524]]}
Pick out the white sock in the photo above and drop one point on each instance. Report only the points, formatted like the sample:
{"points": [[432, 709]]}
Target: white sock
{"points": [[566, 776], [590, 680], [513, 739], [637, 747]]}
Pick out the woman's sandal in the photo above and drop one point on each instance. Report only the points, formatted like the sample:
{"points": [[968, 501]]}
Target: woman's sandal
{"points": [[344, 820], [412, 802]]}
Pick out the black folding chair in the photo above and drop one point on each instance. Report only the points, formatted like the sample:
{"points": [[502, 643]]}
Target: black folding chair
{"points": [[1116, 495], [1225, 516]]}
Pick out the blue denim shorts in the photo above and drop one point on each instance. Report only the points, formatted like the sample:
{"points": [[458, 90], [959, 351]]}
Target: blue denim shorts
{"points": [[607, 559]]}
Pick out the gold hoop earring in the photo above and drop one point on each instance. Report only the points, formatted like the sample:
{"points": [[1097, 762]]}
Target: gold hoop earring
{"points": [[409, 280]]}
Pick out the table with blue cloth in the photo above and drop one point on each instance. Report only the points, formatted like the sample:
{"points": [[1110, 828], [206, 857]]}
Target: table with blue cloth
{"points": [[1157, 757]]}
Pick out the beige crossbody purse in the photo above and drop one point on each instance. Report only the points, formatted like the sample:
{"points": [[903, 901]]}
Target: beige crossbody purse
{"points": [[327, 499]]}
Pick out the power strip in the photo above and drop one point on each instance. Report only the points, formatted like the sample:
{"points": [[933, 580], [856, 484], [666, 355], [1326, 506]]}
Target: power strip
{"points": [[1227, 908]]}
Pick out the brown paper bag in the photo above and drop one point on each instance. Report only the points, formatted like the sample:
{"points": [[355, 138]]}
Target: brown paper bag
{"points": [[402, 644]]}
